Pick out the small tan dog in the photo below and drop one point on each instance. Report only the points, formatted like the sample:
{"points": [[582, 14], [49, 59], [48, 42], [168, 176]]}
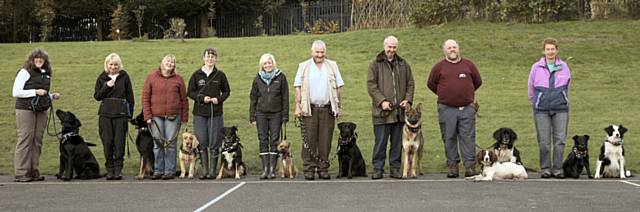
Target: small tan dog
{"points": [[412, 142], [287, 168], [188, 153]]}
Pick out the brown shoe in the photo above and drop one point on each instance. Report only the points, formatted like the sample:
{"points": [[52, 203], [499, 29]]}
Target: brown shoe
{"points": [[453, 171], [468, 172], [309, 176], [22, 179]]}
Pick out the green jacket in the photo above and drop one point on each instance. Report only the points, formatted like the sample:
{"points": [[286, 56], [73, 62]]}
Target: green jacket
{"points": [[390, 81]]}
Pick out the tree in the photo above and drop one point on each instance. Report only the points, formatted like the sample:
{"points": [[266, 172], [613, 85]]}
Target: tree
{"points": [[118, 23], [44, 13], [139, 18]]}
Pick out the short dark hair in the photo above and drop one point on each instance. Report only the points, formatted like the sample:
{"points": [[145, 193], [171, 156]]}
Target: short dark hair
{"points": [[551, 41], [210, 51]]}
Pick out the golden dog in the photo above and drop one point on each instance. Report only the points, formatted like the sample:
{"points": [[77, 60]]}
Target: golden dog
{"points": [[188, 153], [287, 168], [412, 142]]}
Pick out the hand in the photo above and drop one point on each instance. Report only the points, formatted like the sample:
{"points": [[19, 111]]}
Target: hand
{"points": [[404, 103], [55, 96], [253, 123], [386, 105], [298, 111], [207, 99], [214, 100], [41, 92], [111, 83], [149, 121]]}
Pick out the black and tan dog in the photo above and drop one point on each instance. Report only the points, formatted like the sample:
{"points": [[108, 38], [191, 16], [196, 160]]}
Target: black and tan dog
{"points": [[231, 164], [412, 142], [188, 154], [578, 158], [504, 146], [75, 155], [349, 156], [287, 167], [144, 144]]}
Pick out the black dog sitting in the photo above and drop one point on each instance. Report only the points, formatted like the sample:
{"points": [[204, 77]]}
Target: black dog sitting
{"points": [[144, 144], [578, 158], [504, 147], [349, 156], [75, 155], [231, 164]]}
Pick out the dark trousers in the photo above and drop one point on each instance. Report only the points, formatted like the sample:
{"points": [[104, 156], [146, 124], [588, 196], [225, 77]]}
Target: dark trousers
{"points": [[319, 129], [208, 130], [458, 129], [269, 125], [382, 133], [113, 132]]}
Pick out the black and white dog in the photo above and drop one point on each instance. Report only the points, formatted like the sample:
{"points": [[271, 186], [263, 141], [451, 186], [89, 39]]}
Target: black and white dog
{"points": [[578, 159], [504, 147], [611, 160], [231, 164], [350, 158], [75, 155]]}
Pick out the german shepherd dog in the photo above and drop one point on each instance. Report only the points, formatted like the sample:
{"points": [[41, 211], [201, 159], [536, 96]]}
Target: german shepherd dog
{"points": [[412, 142], [287, 168], [144, 144], [75, 155], [349, 155], [578, 158], [231, 164], [188, 154]]}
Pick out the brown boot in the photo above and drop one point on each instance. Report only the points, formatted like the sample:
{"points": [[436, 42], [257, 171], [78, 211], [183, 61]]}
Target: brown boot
{"points": [[453, 171], [469, 171]]}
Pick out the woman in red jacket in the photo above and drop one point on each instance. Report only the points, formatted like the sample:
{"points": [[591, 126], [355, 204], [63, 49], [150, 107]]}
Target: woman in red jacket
{"points": [[165, 106]]}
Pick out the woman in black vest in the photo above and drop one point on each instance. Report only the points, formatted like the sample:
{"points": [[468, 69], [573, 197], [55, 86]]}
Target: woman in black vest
{"points": [[31, 86], [114, 89]]}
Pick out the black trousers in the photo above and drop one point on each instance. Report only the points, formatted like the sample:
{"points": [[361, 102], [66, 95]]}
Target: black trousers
{"points": [[269, 125], [113, 132]]}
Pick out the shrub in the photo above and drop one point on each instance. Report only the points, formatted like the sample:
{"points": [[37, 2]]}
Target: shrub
{"points": [[176, 29], [433, 12]]}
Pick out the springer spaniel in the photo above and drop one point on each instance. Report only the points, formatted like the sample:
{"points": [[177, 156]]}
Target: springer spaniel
{"points": [[611, 161], [494, 170]]}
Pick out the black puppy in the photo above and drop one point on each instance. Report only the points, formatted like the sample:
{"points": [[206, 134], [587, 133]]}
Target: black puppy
{"points": [[75, 155], [504, 147], [231, 164], [349, 156], [578, 158], [144, 144]]}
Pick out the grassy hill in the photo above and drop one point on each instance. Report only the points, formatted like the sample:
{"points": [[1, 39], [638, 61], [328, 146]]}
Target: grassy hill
{"points": [[603, 57]]}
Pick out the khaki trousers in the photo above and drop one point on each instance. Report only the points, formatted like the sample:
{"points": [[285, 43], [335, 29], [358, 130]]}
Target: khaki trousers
{"points": [[31, 126]]}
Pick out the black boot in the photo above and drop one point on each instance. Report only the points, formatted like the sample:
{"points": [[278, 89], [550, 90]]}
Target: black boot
{"points": [[117, 172], [265, 166], [204, 161], [109, 166], [273, 165], [212, 167]]}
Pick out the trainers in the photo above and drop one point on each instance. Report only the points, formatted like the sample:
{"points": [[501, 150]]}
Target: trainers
{"points": [[324, 175], [22, 179], [559, 176], [309, 176], [545, 175], [377, 174], [156, 176]]}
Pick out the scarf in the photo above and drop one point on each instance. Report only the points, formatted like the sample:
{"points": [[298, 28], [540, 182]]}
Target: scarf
{"points": [[267, 77]]}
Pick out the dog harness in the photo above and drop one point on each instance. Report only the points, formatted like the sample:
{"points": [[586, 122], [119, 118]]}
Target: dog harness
{"points": [[66, 136], [579, 154]]}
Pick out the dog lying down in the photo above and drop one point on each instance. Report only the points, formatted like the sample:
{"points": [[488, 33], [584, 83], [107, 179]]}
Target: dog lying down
{"points": [[494, 170]]}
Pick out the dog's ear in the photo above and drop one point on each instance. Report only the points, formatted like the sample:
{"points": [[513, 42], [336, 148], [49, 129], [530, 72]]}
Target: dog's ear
{"points": [[479, 155], [622, 130], [340, 125], [407, 108], [513, 134], [419, 107], [493, 156], [575, 137], [352, 126], [235, 129], [497, 133], [609, 130], [586, 137]]}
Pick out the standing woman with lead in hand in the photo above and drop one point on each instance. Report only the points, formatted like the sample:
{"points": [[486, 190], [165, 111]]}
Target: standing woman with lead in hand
{"points": [[114, 90], [33, 99]]}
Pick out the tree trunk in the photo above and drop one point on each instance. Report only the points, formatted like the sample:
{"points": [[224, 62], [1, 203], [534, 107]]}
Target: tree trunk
{"points": [[203, 24], [99, 25]]}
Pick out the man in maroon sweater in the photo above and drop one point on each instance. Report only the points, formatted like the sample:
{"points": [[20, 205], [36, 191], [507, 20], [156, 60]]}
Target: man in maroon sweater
{"points": [[455, 80]]}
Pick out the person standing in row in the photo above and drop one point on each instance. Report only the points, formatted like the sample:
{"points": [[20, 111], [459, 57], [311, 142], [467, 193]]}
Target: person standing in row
{"points": [[33, 82], [114, 90], [390, 85], [268, 109], [454, 80], [208, 88], [318, 83], [165, 106]]}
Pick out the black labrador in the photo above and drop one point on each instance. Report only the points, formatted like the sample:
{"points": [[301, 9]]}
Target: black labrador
{"points": [[350, 158], [578, 158], [75, 155], [144, 144]]}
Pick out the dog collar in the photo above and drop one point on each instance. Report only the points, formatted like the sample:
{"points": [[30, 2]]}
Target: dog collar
{"points": [[615, 144], [414, 129], [67, 135]]}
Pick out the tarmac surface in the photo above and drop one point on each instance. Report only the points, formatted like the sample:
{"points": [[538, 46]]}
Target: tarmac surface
{"points": [[431, 192]]}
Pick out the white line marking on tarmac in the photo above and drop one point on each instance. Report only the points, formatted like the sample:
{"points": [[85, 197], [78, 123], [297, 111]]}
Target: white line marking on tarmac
{"points": [[205, 206], [630, 183]]}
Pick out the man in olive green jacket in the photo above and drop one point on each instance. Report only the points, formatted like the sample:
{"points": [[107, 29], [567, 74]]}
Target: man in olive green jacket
{"points": [[390, 85]]}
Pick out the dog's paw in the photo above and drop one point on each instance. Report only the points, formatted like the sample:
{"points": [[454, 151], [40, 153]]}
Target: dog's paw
{"points": [[139, 177], [590, 176]]}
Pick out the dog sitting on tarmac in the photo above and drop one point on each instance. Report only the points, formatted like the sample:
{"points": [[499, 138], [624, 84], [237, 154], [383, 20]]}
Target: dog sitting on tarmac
{"points": [[188, 153], [287, 168], [611, 163], [350, 158], [144, 144], [75, 155], [231, 164], [412, 142], [578, 158]]}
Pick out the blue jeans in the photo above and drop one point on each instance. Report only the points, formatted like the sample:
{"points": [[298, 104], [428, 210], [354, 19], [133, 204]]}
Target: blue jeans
{"points": [[551, 128], [165, 157], [382, 133]]}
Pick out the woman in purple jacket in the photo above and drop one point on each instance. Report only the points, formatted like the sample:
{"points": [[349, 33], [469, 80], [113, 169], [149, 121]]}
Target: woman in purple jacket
{"points": [[548, 92]]}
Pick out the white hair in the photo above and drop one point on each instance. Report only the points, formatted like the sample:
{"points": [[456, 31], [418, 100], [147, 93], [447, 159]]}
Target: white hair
{"points": [[115, 58], [390, 39], [266, 57], [450, 41], [318, 44]]}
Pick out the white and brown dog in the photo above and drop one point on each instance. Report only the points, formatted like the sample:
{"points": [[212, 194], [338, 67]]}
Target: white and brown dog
{"points": [[412, 141], [494, 170], [611, 160], [287, 168], [188, 153]]}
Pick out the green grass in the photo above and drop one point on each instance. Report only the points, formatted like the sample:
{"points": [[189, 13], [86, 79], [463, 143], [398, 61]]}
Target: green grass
{"points": [[605, 60]]}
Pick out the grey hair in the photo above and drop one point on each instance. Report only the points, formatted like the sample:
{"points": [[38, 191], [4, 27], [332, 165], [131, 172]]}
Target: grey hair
{"points": [[390, 38], [318, 44], [449, 41]]}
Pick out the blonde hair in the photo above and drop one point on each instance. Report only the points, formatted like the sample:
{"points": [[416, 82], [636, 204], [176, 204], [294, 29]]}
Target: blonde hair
{"points": [[168, 57], [266, 57], [113, 57]]}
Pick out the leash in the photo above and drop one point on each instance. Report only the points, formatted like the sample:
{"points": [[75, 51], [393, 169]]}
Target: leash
{"points": [[163, 141], [51, 116], [130, 139]]}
